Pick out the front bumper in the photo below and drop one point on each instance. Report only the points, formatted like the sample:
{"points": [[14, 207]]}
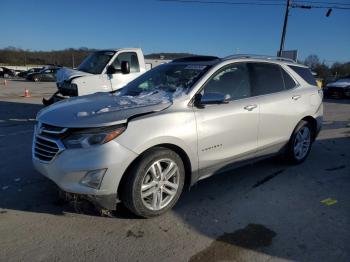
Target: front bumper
{"points": [[68, 168]]}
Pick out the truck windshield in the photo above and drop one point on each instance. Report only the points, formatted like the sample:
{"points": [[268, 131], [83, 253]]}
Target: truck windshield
{"points": [[96, 62], [167, 77]]}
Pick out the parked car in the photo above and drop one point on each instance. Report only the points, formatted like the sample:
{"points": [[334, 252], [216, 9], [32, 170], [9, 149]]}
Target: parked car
{"points": [[30, 71], [45, 75], [340, 88], [6, 72], [175, 125], [101, 72]]}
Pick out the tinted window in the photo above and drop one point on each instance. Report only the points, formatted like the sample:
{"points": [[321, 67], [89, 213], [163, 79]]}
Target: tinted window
{"points": [[131, 57], [304, 73], [266, 78], [232, 81], [289, 83]]}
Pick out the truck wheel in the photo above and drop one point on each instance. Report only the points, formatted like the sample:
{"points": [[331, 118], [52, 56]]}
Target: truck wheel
{"points": [[300, 143], [154, 183]]}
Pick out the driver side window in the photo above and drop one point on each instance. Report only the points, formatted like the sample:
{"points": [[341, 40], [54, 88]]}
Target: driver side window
{"points": [[131, 57], [232, 81]]}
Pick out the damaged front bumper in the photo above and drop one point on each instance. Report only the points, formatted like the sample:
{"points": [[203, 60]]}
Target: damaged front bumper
{"points": [[69, 168], [103, 202], [65, 90]]}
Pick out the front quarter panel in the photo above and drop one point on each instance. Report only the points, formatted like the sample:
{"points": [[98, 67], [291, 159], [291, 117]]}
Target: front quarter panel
{"points": [[167, 127]]}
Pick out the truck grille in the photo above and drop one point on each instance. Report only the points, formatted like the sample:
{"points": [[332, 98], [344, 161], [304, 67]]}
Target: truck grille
{"points": [[47, 144], [45, 149]]}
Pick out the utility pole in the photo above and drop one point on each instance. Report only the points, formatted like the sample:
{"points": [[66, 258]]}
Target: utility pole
{"points": [[284, 28]]}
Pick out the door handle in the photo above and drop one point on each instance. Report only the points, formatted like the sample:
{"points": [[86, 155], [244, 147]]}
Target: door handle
{"points": [[250, 107], [296, 97]]}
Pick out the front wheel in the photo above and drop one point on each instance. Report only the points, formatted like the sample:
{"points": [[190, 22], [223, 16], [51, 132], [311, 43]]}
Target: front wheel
{"points": [[154, 183], [300, 143]]}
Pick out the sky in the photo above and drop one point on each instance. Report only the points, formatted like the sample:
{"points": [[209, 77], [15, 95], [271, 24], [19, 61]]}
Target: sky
{"points": [[208, 29]]}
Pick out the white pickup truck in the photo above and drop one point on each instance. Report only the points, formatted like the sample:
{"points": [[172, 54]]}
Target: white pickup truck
{"points": [[102, 71]]}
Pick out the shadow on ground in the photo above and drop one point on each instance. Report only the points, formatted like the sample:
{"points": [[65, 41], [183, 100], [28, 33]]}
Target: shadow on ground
{"points": [[268, 207]]}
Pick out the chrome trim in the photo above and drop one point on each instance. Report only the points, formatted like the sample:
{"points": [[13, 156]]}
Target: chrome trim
{"points": [[44, 145], [59, 144]]}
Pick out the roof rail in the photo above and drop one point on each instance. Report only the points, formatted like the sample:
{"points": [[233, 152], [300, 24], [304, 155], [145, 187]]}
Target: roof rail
{"points": [[198, 58], [277, 58]]}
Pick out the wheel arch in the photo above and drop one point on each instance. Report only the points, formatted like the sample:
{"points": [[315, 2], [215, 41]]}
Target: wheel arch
{"points": [[313, 122], [189, 178]]}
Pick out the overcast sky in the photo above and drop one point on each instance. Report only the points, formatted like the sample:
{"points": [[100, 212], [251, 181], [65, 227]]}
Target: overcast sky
{"points": [[156, 26]]}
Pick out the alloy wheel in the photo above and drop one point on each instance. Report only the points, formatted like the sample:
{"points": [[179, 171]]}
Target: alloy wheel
{"points": [[160, 184], [302, 143]]}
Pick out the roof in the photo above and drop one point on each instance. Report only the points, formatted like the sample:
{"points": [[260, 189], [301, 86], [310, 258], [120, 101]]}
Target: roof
{"points": [[213, 59]]}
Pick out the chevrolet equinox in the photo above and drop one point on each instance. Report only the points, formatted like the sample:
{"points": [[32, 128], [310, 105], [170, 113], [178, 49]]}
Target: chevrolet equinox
{"points": [[174, 125]]}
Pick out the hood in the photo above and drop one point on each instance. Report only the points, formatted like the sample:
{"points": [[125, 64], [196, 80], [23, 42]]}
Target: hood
{"points": [[102, 109], [67, 74]]}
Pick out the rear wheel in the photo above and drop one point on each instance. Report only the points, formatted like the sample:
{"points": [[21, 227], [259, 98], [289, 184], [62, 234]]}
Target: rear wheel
{"points": [[300, 143], [154, 183], [36, 79]]}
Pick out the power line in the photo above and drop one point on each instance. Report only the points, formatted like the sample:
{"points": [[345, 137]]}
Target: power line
{"points": [[300, 4], [321, 2], [223, 2]]}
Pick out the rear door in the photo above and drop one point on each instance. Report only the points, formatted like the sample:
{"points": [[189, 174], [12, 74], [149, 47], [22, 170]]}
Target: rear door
{"points": [[279, 99], [227, 132], [119, 80]]}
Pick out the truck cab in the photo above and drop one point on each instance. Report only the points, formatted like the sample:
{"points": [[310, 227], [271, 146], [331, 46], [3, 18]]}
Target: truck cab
{"points": [[101, 72]]}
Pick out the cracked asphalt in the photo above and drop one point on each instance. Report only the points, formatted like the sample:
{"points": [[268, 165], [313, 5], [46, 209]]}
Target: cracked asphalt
{"points": [[268, 211]]}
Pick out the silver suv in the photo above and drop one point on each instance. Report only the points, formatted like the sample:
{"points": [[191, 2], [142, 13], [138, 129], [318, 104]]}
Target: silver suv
{"points": [[175, 125]]}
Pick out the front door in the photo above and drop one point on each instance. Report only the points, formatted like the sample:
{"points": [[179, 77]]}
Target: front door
{"points": [[227, 132]]}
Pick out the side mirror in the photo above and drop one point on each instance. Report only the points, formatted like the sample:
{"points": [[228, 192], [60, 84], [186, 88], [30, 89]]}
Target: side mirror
{"points": [[210, 98], [125, 67], [111, 70]]}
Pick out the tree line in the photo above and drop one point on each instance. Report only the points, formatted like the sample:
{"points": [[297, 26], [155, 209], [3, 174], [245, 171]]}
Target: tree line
{"points": [[327, 73], [72, 57], [68, 57]]}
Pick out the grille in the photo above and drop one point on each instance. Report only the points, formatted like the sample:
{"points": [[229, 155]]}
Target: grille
{"points": [[44, 149], [46, 142]]}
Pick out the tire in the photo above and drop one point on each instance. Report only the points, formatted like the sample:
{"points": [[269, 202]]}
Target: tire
{"points": [[145, 172], [36, 79], [300, 143]]}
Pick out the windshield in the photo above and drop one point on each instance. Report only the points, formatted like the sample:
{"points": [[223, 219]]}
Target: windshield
{"points": [[168, 77], [96, 62]]}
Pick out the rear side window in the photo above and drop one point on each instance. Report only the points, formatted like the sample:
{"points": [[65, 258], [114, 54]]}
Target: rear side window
{"points": [[265, 78], [289, 83], [305, 74]]}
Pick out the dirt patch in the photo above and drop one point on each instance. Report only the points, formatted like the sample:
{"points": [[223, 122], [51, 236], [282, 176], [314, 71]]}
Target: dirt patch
{"points": [[267, 178], [228, 247]]}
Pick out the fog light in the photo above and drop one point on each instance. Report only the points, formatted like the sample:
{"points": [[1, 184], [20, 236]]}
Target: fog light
{"points": [[93, 178]]}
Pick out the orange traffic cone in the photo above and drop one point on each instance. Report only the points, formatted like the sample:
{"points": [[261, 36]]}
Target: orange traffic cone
{"points": [[26, 93]]}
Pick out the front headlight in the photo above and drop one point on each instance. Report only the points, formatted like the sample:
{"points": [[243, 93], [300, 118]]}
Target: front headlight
{"points": [[85, 140]]}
